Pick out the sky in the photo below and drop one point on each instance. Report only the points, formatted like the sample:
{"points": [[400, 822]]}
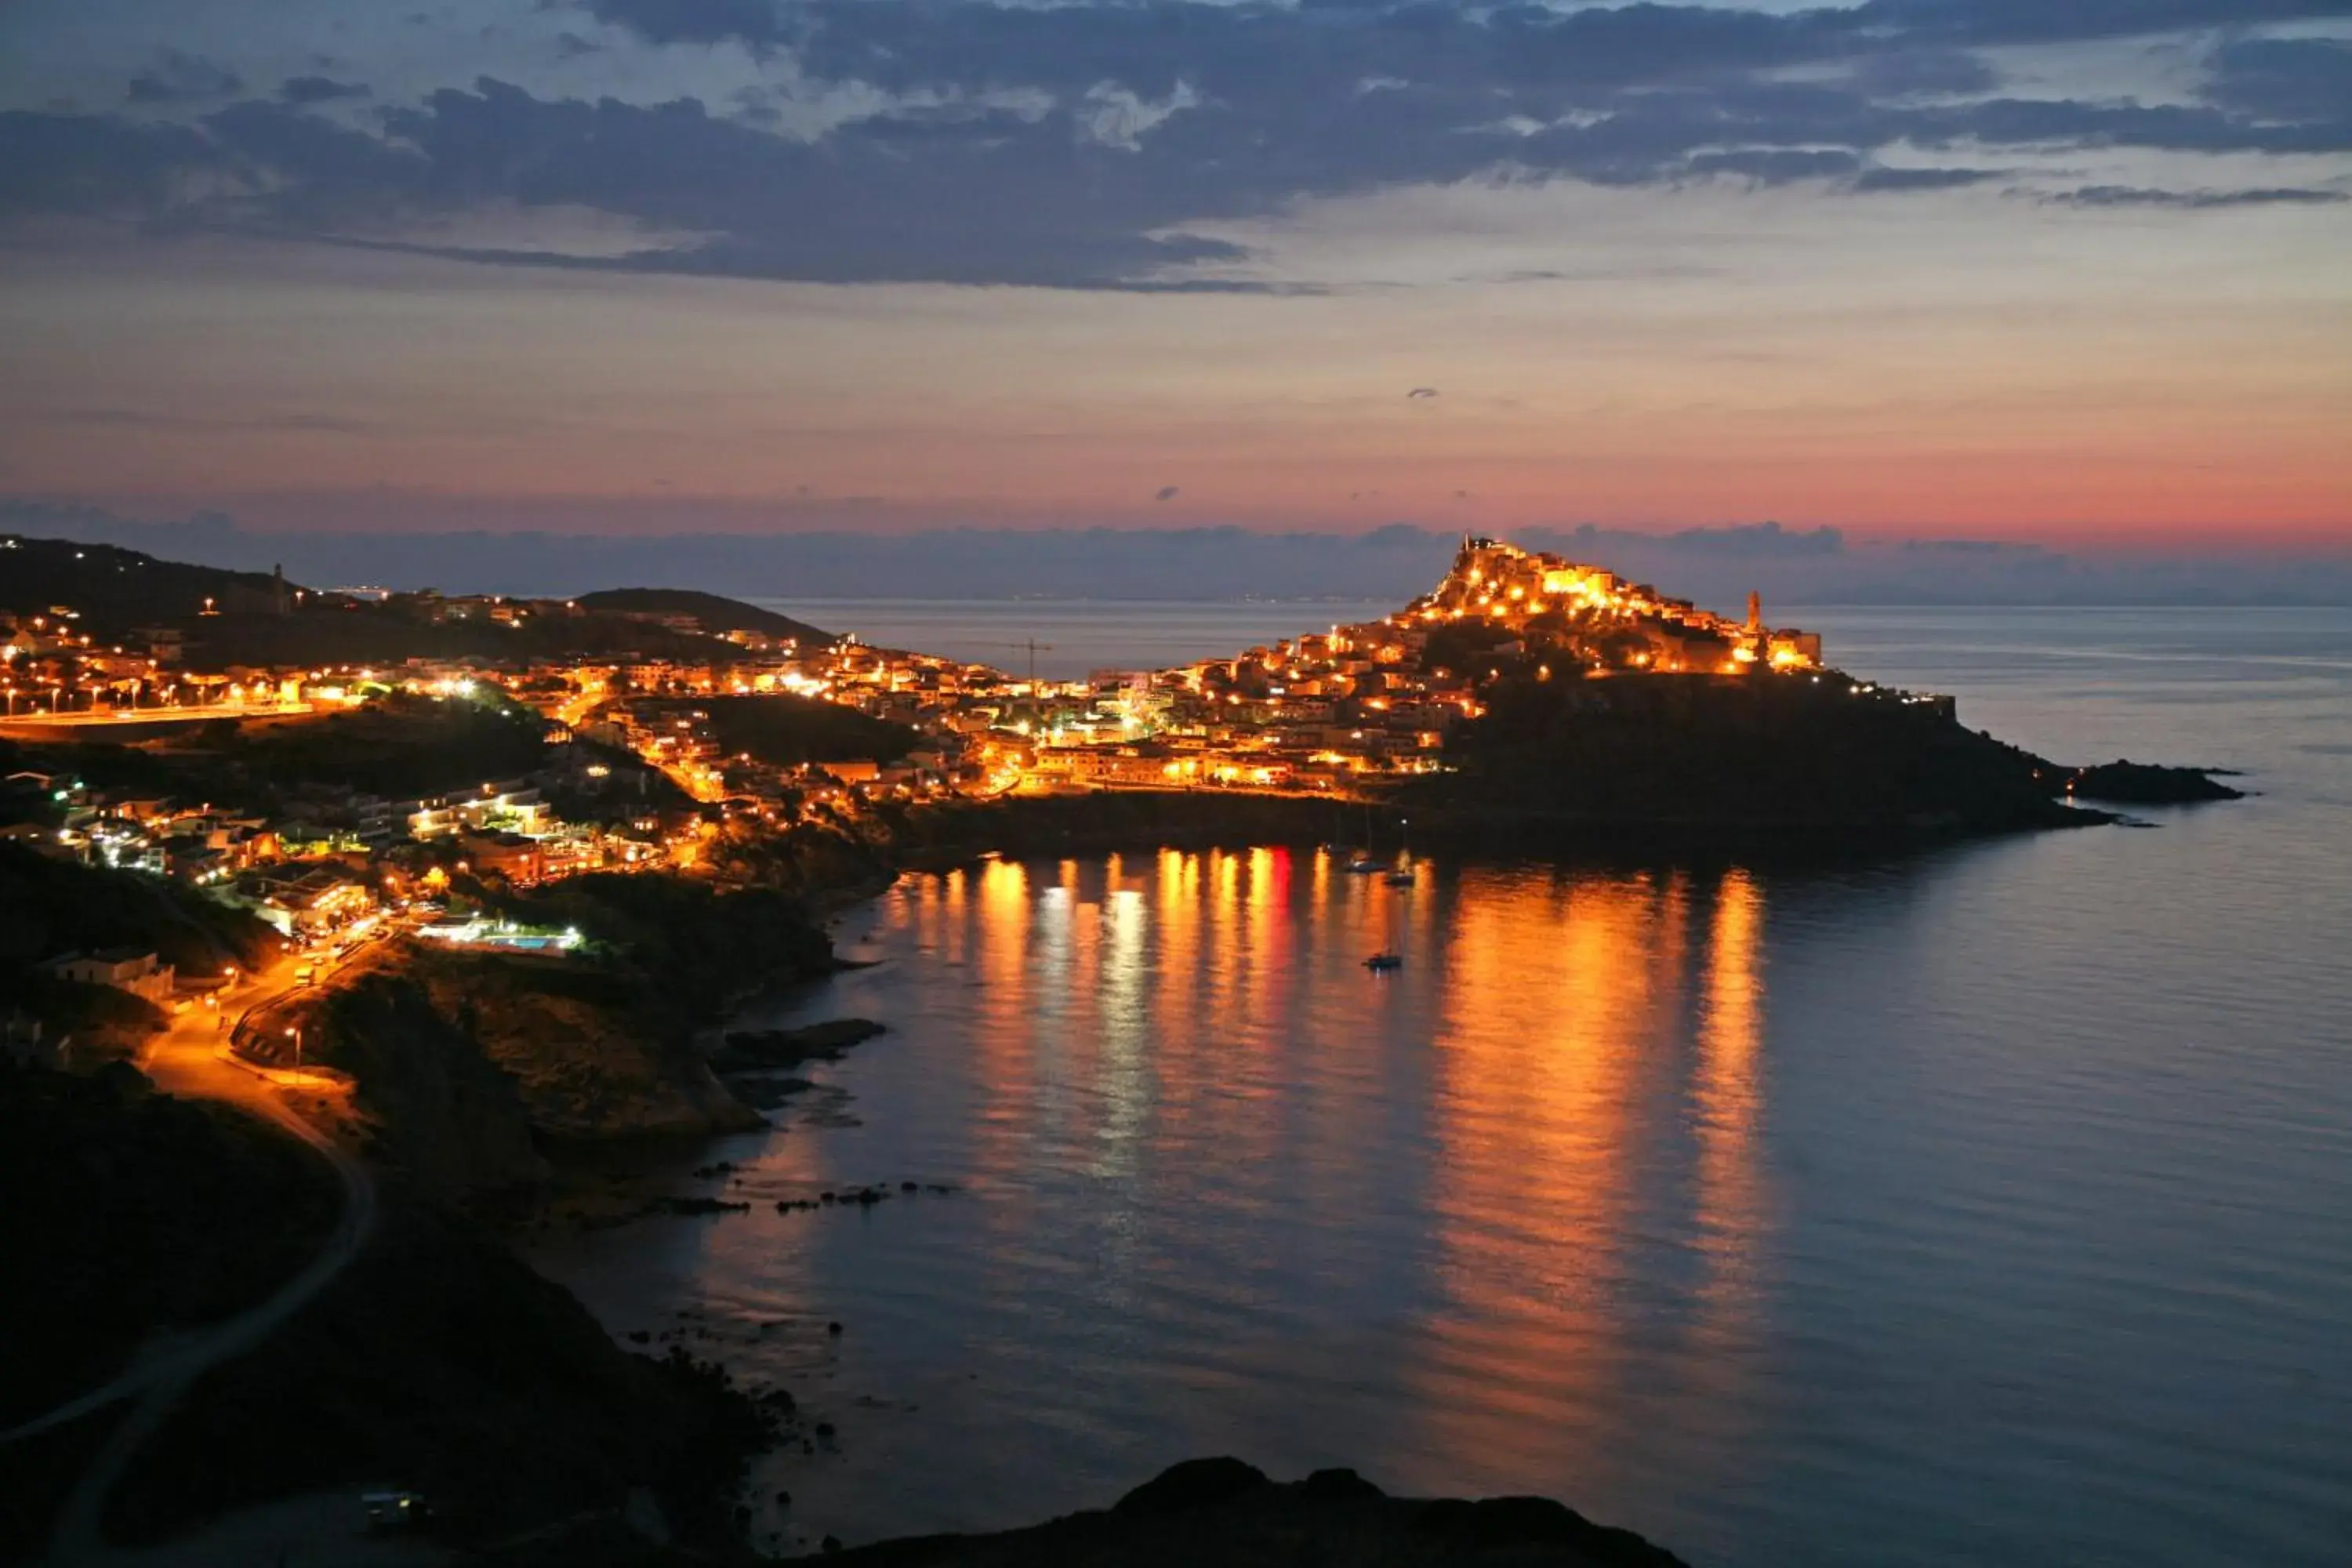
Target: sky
{"points": [[2074, 272]]}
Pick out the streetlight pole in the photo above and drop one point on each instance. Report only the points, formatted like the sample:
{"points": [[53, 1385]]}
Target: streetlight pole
{"points": [[296, 1032]]}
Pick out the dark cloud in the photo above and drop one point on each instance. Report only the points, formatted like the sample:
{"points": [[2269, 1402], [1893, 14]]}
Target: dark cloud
{"points": [[1422, 393], [183, 78], [693, 21], [1778, 166], [2193, 201], [1980, 22], [2284, 79], [94, 164], [1747, 542], [1923, 72], [1151, 120], [1166, 492], [572, 46], [1882, 179], [303, 91]]}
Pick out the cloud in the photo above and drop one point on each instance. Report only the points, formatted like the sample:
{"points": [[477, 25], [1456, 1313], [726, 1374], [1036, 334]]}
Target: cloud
{"points": [[1884, 179], [2282, 78], [182, 78], [754, 22], [1750, 541], [147, 419], [1422, 394], [89, 165], [304, 91], [1103, 145], [1116, 117], [1778, 166], [2197, 201], [1986, 22], [1167, 492]]}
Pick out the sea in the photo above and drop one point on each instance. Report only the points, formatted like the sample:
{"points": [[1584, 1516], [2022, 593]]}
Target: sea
{"points": [[1987, 1204]]}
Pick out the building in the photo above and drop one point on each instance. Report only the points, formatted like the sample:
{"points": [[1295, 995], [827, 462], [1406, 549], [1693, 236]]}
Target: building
{"points": [[135, 970]]}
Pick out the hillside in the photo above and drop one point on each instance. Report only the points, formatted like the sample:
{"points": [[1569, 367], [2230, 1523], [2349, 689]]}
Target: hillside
{"points": [[1759, 752], [714, 612], [786, 730], [115, 589], [233, 619]]}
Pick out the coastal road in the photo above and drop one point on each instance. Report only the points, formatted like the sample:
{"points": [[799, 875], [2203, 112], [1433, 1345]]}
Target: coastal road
{"points": [[131, 718], [190, 1060]]}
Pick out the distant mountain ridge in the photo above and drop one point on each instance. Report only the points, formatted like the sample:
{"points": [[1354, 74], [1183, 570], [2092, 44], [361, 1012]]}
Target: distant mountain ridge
{"points": [[1715, 566]]}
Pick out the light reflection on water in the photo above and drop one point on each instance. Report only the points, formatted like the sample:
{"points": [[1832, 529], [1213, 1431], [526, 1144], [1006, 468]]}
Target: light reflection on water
{"points": [[1988, 1205]]}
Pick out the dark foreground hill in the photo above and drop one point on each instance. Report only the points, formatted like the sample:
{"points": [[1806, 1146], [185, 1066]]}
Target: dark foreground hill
{"points": [[1226, 1512]]}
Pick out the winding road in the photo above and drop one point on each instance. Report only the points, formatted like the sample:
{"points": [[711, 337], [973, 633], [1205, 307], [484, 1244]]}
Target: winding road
{"points": [[189, 1060]]}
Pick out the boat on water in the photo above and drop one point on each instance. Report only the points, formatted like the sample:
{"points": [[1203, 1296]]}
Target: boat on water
{"points": [[1403, 875], [1392, 953], [1362, 865]]}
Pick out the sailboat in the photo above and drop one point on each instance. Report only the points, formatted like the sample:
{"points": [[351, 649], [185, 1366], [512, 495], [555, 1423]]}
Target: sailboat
{"points": [[1364, 865], [1403, 875], [1391, 956]]}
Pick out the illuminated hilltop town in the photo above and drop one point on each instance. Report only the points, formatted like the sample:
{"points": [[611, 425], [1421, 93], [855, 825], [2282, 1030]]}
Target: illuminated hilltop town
{"points": [[1620, 626], [1346, 714]]}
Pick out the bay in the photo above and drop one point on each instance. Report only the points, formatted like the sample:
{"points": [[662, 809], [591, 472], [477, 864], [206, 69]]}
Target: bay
{"points": [[1988, 1202]]}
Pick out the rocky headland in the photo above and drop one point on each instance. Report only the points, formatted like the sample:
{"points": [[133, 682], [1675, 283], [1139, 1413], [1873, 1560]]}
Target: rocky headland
{"points": [[2144, 783], [1224, 1511]]}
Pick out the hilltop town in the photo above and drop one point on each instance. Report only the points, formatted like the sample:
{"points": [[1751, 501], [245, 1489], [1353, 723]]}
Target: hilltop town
{"points": [[658, 676], [425, 762]]}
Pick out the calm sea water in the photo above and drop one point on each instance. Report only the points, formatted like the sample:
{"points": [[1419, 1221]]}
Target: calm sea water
{"points": [[1991, 1204]]}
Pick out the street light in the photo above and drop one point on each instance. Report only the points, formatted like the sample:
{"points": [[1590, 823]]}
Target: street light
{"points": [[296, 1034]]}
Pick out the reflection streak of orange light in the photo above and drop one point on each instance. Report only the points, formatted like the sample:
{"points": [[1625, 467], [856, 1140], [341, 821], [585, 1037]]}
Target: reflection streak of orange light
{"points": [[1559, 1003]]}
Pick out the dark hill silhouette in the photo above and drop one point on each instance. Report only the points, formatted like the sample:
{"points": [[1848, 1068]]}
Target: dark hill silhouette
{"points": [[115, 589], [714, 613], [230, 618]]}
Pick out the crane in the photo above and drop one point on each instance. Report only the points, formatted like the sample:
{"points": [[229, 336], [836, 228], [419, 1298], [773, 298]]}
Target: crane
{"points": [[1034, 648]]}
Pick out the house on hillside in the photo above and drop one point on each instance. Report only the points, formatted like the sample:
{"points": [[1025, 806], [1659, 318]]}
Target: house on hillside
{"points": [[132, 969]]}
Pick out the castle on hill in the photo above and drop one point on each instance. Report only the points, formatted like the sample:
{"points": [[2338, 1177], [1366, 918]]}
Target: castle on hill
{"points": [[1526, 591]]}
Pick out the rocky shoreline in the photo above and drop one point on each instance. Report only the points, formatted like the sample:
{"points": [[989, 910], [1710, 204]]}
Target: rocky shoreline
{"points": [[492, 1087]]}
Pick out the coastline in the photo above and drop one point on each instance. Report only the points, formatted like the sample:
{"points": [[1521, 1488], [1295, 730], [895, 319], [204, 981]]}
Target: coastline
{"points": [[466, 1131]]}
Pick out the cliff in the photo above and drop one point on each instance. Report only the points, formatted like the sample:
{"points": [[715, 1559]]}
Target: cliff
{"points": [[472, 1068], [1731, 755]]}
